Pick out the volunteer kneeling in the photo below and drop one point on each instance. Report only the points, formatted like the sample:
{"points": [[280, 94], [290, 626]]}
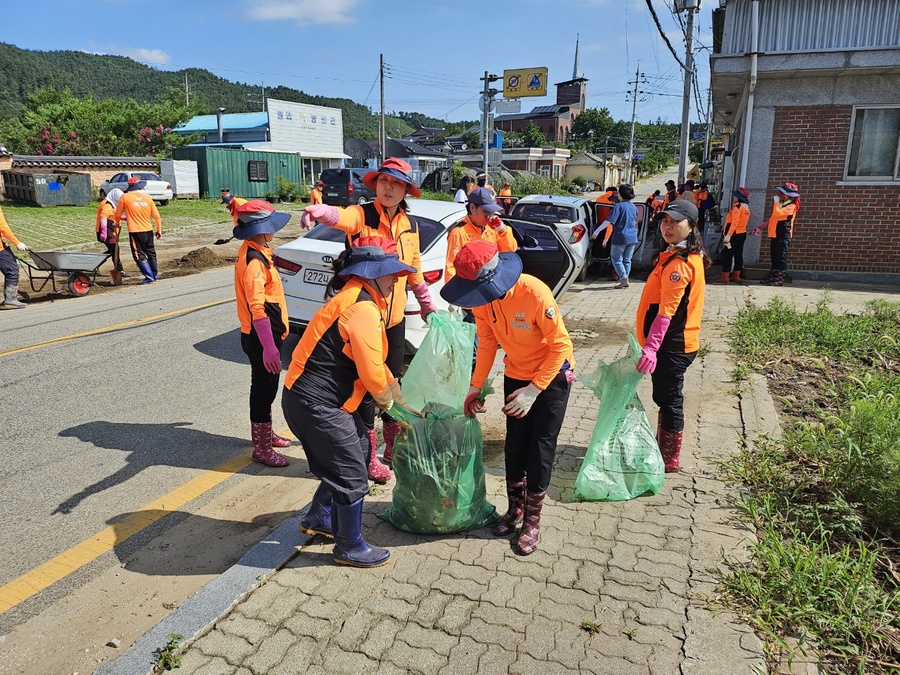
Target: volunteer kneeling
{"points": [[517, 311], [339, 358]]}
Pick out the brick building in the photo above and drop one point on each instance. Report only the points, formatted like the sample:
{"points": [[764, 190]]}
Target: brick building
{"points": [[816, 103]]}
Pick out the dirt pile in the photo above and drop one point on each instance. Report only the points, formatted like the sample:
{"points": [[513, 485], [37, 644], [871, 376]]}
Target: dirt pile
{"points": [[201, 258]]}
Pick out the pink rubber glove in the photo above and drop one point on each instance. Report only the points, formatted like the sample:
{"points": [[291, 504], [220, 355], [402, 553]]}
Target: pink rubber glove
{"points": [[647, 363], [271, 355], [103, 232], [323, 213], [423, 295], [474, 404]]}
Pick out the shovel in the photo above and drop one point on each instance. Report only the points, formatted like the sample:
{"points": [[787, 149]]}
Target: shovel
{"points": [[219, 242]]}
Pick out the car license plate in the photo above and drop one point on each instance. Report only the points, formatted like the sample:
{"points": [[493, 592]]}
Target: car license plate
{"points": [[317, 277], [331, 194]]}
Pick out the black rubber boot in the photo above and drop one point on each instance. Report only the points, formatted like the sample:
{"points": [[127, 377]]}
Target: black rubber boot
{"points": [[349, 546]]}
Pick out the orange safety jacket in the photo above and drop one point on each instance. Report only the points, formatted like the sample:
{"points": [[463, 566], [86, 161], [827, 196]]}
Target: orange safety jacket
{"points": [[6, 233], [467, 231], [342, 351], [258, 290], [106, 211], [607, 198], [675, 289], [737, 219], [140, 211], [527, 324], [670, 197], [784, 211], [371, 220], [315, 196], [233, 207]]}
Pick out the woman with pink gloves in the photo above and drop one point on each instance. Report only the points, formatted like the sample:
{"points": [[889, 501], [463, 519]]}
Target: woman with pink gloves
{"points": [[384, 217]]}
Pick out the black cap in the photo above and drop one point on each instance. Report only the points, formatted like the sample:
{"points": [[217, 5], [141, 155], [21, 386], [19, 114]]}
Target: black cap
{"points": [[680, 209]]}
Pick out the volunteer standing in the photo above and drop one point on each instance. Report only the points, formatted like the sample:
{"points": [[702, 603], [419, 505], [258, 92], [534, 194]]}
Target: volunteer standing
{"points": [[10, 267], [621, 234], [517, 311], [668, 321], [481, 222], [341, 357], [141, 213], [108, 231], [385, 217], [315, 195], [780, 231], [262, 312], [232, 203], [734, 236]]}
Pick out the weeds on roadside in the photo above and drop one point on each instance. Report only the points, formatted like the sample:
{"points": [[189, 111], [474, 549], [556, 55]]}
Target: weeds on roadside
{"points": [[824, 499], [169, 657]]}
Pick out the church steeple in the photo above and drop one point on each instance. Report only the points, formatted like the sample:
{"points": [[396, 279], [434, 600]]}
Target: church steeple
{"points": [[577, 67]]}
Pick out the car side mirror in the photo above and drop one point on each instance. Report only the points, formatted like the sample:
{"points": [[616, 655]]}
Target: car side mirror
{"points": [[529, 242]]}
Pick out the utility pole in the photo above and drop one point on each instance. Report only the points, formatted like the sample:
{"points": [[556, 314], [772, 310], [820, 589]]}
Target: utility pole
{"points": [[187, 92], [690, 6], [605, 150], [634, 95], [487, 120], [382, 143], [708, 125]]}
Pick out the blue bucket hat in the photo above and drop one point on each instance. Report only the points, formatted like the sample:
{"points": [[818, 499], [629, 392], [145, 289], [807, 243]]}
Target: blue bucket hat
{"points": [[483, 275], [257, 217], [374, 257]]}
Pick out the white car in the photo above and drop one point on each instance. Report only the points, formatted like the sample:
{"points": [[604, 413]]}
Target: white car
{"points": [[305, 263], [574, 217], [158, 189]]}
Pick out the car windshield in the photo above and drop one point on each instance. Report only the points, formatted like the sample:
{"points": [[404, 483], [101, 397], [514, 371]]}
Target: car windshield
{"points": [[147, 176], [548, 213], [327, 233]]}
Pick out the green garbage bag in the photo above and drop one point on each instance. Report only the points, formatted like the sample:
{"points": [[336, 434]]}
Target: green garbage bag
{"points": [[437, 460], [623, 459], [439, 470]]}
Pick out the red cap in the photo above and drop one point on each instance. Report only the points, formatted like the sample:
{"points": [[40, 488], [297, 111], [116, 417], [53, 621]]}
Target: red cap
{"points": [[387, 245], [473, 257], [134, 179]]}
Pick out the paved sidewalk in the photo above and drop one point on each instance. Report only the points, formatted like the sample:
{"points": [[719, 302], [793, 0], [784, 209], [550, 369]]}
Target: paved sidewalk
{"points": [[638, 570]]}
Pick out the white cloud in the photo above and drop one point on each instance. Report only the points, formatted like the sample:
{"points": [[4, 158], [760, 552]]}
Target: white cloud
{"points": [[157, 56], [303, 11]]}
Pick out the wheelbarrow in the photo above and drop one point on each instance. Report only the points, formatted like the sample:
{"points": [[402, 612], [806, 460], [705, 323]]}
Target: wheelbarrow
{"points": [[79, 270]]}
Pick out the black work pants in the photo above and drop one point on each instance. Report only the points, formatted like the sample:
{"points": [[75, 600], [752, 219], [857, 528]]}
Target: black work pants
{"points": [[263, 384], [668, 385], [396, 337], [9, 266], [142, 247], [778, 246], [335, 442], [531, 441], [733, 258]]}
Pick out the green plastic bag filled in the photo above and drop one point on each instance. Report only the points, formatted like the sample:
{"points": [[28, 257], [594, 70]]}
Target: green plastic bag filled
{"points": [[438, 459], [623, 459]]}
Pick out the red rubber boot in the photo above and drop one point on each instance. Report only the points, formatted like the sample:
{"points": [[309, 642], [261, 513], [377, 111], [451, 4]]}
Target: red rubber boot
{"points": [[261, 433], [378, 472], [531, 525], [389, 430], [515, 492]]}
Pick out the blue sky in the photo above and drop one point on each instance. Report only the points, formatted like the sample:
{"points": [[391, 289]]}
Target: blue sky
{"points": [[436, 51]]}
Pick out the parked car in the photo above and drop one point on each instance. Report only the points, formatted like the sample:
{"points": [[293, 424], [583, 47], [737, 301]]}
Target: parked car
{"points": [[305, 263], [158, 189], [648, 244], [574, 217], [344, 187]]}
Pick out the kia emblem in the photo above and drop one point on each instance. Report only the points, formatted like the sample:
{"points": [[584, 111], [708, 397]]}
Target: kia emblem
{"points": [[327, 259]]}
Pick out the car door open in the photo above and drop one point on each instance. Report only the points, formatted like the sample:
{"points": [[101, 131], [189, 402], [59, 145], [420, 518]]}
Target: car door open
{"points": [[544, 254]]}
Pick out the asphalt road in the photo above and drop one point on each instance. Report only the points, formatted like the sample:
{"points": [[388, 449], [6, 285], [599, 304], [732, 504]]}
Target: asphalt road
{"points": [[124, 419]]}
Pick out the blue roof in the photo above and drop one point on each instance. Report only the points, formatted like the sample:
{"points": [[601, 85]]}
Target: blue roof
{"points": [[230, 122]]}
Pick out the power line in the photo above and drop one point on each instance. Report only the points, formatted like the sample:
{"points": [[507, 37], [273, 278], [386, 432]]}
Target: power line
{"points": [[663, 35]]}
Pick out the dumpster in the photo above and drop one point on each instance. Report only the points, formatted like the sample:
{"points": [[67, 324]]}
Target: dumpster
{"points": [[61, 188]]}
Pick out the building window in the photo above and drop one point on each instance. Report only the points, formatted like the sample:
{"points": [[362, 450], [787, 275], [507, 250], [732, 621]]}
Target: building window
{"points": [[545, 171], [258, 171], [874, 144]]}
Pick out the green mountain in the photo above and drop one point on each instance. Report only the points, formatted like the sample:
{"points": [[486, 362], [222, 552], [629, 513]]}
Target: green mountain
{"points": [[24, 71]]}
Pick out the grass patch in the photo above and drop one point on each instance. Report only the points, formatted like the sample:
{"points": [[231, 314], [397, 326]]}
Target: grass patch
{"points": [[825, 499]]}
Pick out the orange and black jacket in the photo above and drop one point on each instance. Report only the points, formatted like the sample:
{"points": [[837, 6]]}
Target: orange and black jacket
{"points": [[342, 351], [781, 224], [736, 220], [609, 197], [675, 289], [527, 325], [670, 197], [371, 220], [6, 234], [467, 231], [105, 212], [140, 211], [258, 290]]}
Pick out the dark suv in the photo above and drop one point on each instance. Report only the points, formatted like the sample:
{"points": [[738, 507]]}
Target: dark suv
{"points": [[344, 187]]}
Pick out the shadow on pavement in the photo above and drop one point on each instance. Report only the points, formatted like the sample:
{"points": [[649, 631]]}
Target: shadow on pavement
{"points": [[225, 347]]}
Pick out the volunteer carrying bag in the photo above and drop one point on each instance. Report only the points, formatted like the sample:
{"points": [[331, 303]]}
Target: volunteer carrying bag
{"points": [[623, 459], [437, 460]]}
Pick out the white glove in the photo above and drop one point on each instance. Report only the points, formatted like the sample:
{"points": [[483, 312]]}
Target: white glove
{"points": [[453, 309], [22, 246], [520, 401], [727, 239]]}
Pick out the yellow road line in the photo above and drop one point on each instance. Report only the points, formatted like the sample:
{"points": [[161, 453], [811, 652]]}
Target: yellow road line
{"points": [[105, 540], [119, 326]]}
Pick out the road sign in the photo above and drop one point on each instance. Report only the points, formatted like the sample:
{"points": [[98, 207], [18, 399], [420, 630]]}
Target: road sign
{"points": [[697, 135], [483, 101], [524, 82], [639, 157]]}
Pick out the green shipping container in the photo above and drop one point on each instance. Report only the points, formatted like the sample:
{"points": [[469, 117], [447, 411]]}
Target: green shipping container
{"points": [[247, 173], [64, 188]]}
